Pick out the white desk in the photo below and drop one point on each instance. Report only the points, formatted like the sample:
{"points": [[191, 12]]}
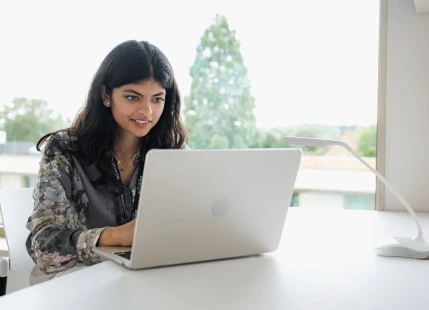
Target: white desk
{"points": [[326, 260]]}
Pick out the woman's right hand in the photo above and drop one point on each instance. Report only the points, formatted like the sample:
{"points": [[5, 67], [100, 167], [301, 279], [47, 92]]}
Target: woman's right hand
{"points": [[118, 236]]}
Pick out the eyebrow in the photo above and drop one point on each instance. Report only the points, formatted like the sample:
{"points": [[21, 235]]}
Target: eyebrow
{"points": [[137, 93]]}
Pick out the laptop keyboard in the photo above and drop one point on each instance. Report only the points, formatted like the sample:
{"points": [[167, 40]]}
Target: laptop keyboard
{"points": [[126, 255]]}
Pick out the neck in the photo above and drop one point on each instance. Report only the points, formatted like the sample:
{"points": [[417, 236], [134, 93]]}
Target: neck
{"points": [[126, 146]]}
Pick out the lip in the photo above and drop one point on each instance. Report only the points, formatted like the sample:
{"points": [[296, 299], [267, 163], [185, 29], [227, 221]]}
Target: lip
{"points": [[141, 122]]}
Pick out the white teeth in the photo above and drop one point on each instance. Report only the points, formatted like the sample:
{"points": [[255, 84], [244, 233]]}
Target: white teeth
{"points": [[140, 122]]}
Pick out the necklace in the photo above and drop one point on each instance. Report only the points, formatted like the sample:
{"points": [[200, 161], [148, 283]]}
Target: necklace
{"points": [[125, 168], [121, 160]]}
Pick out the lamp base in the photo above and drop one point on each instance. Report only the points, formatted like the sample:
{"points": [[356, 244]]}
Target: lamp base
{"points": [[402, 247]]}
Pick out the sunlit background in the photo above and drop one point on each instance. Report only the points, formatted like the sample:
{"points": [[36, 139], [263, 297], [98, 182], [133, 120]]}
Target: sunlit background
{"points": [[311, 68]]}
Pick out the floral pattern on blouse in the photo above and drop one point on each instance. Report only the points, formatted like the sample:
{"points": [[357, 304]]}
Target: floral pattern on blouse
{"points": [[71, 210]]}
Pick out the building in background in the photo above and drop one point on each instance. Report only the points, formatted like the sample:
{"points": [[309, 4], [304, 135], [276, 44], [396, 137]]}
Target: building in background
{"points": [[322, 181]]}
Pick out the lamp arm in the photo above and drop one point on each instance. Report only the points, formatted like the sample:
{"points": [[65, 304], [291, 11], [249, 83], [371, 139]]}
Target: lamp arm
{"points": [[322, 142], [393, 190]]}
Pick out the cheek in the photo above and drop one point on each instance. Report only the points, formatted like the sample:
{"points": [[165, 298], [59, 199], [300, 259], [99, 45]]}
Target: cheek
{"points": [[158, 109], [120, 110]]}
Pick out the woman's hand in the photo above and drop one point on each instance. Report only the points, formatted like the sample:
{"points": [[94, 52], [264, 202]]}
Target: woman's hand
{"points": [[118, 236]]}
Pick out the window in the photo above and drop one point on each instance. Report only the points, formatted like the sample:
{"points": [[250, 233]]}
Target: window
{"points": [[302, 67]]}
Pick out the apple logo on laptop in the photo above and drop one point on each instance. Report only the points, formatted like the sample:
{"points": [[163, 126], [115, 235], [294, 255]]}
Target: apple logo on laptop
{"points": [[220, 207]]}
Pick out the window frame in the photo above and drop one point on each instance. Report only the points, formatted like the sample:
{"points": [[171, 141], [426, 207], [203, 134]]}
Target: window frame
{"points": [[381, 106]]}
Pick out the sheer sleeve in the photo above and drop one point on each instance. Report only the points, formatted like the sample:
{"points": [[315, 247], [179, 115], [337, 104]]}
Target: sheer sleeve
{"points": [[57, 241]]}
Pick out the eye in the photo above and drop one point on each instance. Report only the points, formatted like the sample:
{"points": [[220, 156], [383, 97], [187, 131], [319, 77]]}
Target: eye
{"points": [[159, 100], [132, 98]]}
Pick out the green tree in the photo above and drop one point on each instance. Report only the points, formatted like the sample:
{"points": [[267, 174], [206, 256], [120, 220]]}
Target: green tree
{"points": [[219, 109], [218, 142], [368, 142], [29, 119], [272, 137]]}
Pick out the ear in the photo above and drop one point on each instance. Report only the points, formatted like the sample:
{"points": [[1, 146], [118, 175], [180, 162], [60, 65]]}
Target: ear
{"points": [[105, 97]]}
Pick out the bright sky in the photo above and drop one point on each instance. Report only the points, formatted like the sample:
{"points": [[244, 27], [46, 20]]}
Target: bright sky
{"points": [[309, 61]]}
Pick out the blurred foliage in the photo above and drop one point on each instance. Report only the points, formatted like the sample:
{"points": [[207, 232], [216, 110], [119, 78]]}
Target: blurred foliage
{"points": [[219, 109], [367, 146], [29, 119], [219, 114]]}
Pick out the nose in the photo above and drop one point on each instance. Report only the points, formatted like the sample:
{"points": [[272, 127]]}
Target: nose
{"points": [[145, 108]]}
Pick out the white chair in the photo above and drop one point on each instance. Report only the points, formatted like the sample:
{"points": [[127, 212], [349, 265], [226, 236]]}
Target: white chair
{"points": [[16, 206]]}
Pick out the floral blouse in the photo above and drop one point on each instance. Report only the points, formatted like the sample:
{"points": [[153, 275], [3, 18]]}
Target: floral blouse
{"points": [[71, 210]]}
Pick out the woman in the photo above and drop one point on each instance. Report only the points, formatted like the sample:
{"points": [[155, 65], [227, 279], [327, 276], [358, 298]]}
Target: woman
{"points": [[90, 173]]}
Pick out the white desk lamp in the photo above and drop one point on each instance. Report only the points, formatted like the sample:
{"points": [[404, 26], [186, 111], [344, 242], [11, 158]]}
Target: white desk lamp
{"points": [[395, 246]]}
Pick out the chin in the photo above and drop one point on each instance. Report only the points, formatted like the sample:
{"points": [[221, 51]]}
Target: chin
{"points": [[138, 132], [141, 133]]}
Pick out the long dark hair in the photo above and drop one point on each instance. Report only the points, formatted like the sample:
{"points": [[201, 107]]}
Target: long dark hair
{"points": [[94, 126]]}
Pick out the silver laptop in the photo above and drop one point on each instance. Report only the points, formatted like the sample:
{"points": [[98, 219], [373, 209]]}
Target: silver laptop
{"points": [[200, 205]]}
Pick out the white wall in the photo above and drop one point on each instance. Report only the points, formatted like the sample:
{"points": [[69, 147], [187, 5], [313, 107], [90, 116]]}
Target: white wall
{"points": [[407, 105]]}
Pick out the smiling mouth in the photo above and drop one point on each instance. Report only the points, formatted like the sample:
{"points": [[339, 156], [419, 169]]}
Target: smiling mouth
{"points": [[138, 121]]}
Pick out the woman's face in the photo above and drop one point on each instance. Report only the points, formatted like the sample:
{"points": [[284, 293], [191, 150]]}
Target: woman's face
{"points": [[136, 108]]}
